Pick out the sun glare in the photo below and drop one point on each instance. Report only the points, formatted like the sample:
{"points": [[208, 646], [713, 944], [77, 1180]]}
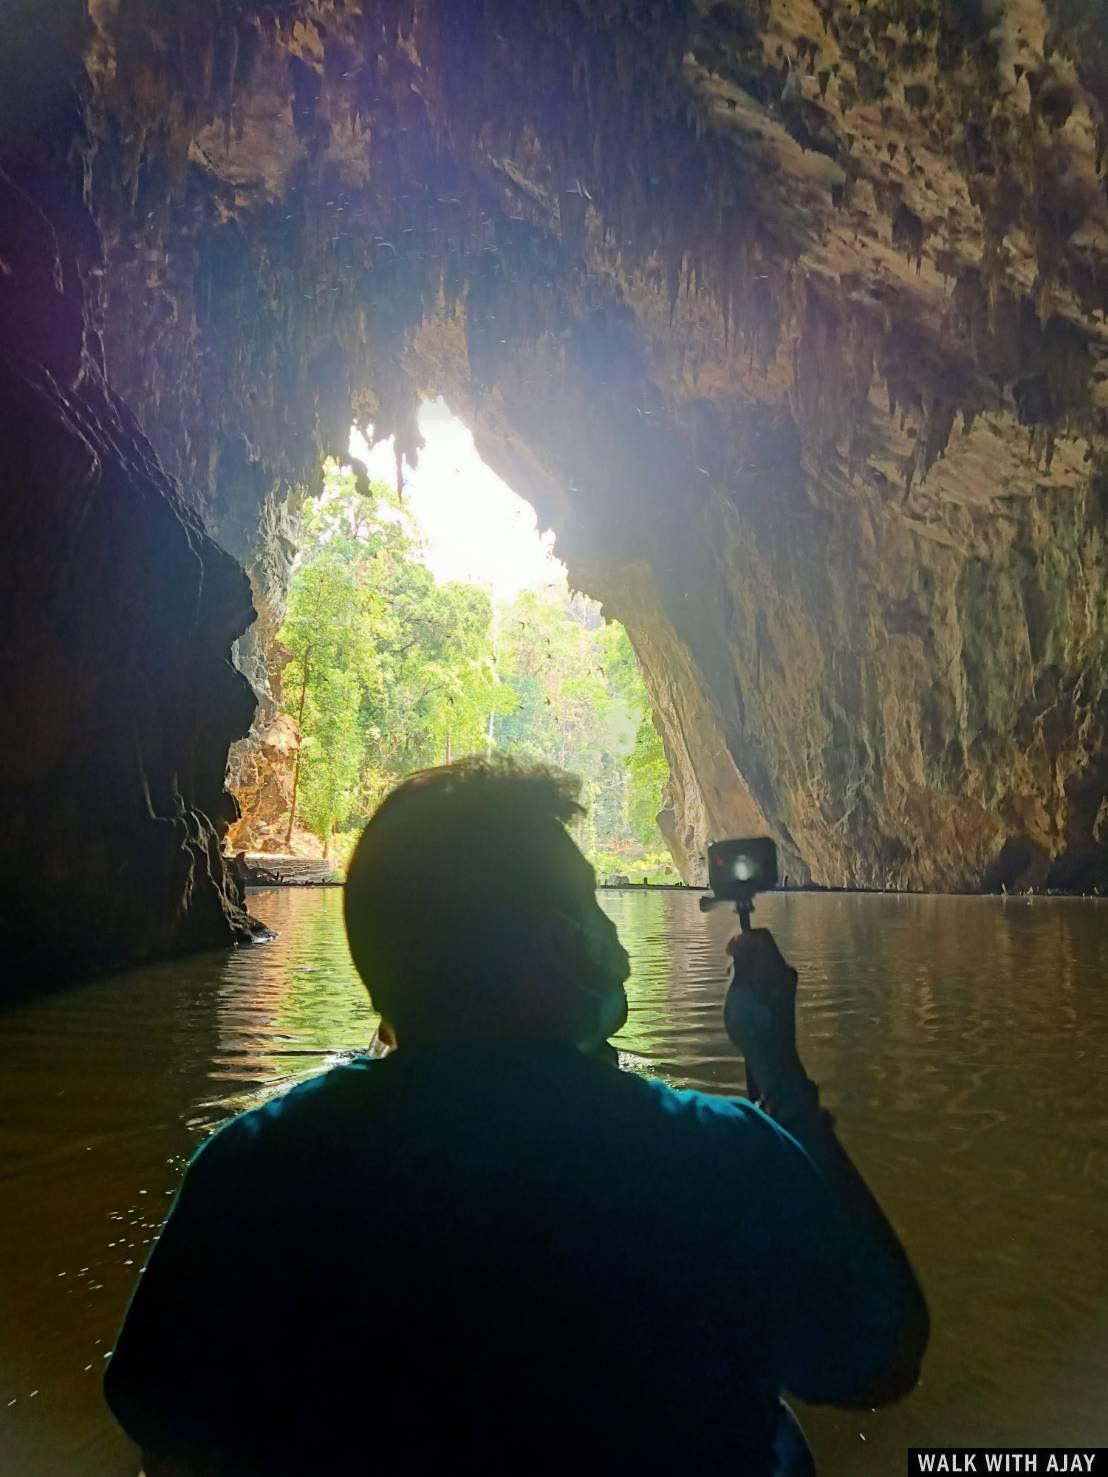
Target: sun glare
{"points": [[476, 529]]}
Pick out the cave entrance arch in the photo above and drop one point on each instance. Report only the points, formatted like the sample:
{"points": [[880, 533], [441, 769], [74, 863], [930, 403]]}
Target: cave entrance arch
{"points": [[820, 424], [427, 619]]}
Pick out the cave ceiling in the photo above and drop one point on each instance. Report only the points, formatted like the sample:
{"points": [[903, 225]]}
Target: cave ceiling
{"points": [[888, 219]]}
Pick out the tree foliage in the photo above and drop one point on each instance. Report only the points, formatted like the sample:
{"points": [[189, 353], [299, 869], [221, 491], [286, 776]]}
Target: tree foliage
{"points": [[647, 768], [390, 672]]}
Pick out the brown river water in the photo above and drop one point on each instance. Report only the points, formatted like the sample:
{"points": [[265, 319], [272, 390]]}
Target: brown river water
{"points": [[961, 1044]]}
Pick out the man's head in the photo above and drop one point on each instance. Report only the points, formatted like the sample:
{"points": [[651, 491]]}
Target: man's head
{"points": [[472, 915]]}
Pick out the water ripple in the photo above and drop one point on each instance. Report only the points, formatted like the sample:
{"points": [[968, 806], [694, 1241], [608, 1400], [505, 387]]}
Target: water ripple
{"points": [[960, 1043]]}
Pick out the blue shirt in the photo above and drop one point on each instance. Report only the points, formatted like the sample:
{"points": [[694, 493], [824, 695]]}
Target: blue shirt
{"points": [[503, 1258]]}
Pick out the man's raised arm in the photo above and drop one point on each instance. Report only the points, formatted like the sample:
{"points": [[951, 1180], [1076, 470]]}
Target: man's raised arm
{"points": [[860, 1324]]}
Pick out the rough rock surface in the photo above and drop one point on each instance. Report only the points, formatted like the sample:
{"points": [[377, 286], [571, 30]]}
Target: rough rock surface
{"points": [[789, 316], [260, 776], [117, 616]]}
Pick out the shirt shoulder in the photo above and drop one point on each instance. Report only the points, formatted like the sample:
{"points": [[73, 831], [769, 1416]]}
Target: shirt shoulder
{"points": [[712, 1113], [291, 1117], [711, 1132]]}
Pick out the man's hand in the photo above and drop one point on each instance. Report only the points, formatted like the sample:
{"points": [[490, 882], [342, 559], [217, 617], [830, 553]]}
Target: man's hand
{"points": [[760, 1012]]}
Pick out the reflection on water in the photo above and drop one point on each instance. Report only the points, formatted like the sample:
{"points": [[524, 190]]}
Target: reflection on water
{"points": [[960, 1043]]}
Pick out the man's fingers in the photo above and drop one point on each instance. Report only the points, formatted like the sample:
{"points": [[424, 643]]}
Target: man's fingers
{"points": [[757, 963], [758, 947]]}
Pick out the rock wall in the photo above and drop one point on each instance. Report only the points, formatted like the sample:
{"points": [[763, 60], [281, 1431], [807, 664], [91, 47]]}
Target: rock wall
{"points": [[261, 775], [117, 611], [905, 684], [913, 700]]}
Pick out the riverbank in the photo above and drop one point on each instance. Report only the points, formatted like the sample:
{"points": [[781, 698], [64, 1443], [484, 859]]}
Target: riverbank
{"points": [[263, 869], [815, 889]]}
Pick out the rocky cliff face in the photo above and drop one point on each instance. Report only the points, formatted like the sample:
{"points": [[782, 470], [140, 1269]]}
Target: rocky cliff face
{"points": [[117, 614], [261, 775], [788, 315]]}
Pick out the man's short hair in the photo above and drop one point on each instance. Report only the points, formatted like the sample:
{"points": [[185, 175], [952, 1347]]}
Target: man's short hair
{"points": [[451, 878]]}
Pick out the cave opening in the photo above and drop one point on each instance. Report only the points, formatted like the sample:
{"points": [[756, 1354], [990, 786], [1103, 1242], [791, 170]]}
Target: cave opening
{"points": [[428, 619]]}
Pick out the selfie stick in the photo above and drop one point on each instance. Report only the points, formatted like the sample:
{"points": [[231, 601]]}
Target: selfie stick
{"points": [[744, 906]]}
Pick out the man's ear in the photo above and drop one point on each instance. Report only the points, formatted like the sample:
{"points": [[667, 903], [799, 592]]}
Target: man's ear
{"points": [[386, 1034]]}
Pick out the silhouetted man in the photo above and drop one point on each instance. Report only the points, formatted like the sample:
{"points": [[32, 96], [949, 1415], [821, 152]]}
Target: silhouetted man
{"points": [[491, 1251]]}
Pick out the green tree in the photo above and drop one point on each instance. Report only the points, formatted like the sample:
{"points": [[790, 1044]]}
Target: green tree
{"points": [[332, 750], [581, 705], [441, 682], [388, 671], [647, 769], [647, 777], [329, 622]]}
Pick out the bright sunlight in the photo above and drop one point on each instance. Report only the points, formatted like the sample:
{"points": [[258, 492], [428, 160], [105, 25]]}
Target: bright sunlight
{"points": [[475, 528]]}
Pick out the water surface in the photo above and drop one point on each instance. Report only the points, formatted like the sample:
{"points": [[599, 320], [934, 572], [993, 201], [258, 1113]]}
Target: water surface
{"points": [[961, 1044]]}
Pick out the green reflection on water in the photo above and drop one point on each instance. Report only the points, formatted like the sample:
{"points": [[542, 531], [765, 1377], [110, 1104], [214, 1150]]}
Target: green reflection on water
{"points": [[960, 1041]]}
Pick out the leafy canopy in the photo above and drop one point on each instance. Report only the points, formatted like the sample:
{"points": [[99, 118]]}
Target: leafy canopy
{"points": [[389, 672]]}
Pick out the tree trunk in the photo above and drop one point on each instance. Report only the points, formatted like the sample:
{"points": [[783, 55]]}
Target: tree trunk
{"points": [[296, 767], [327, 838]]}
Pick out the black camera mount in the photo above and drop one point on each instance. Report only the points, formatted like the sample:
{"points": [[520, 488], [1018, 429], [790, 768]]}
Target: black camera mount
{"points": [[737, 872], [743, 907]]}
